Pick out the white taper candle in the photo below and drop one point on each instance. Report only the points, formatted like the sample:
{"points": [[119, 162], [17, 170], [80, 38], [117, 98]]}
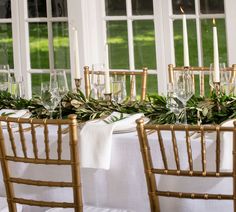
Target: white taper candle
{"points": [[216, 54]]}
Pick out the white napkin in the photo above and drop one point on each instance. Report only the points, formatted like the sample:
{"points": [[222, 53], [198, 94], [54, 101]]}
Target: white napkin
{"points": [[96, 140], [227, 147]]}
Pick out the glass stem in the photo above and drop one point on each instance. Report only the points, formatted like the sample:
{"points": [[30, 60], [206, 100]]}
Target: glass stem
{"points": [[185, 115], [60, 110]]}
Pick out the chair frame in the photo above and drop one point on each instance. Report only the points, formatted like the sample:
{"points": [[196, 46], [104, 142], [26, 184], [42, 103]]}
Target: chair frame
{"points": [[150, 171], [201, 71], [75, 183], [143, 74]]}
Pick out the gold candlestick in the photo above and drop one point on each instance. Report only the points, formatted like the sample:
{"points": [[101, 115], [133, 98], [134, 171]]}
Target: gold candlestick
{"points": [[108, 96], [78, 83]]}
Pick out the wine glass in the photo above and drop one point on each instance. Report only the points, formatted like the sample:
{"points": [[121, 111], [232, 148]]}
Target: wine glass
{"points": [[50, 97], [4, 77], [58, 81], [183, 88], [173, 103], [98, 81]]}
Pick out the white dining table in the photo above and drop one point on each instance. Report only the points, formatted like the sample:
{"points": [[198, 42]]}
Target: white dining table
{"points": [[124, 185]]}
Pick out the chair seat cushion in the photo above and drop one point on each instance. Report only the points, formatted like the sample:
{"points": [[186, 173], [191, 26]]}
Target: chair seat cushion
{"points": [[4, 206], [88, 209]]}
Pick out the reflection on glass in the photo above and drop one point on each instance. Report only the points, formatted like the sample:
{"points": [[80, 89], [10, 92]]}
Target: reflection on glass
{"points": [[36, 80], [5, 9], [188, 6], [61, 45], [117, 7], [142, 7], [37, 8], [207, 40], [59, 8], [6, 46], [211, 6], [39, 45], [144, 44], [192, 42], [117, 38]]}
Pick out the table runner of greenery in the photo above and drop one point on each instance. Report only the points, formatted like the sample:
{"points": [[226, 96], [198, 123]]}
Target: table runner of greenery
{"points": [[214, 109]]}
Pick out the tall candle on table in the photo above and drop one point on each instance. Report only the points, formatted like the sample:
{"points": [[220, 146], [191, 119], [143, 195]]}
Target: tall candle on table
{"points": [[185, 39], [107, 74], [216, 54], [76, 54]]}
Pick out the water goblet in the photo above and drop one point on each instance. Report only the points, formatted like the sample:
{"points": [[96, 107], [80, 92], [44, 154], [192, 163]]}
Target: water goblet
{"points": [[183, 88], [98, 81]]}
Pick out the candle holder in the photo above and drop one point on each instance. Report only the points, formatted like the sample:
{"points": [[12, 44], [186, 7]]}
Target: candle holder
{"points": [[78, 83], [217, 87], [108, 96]]}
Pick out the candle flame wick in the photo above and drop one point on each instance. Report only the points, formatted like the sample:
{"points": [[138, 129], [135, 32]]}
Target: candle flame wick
{"points": [[214, 22], [181, 9]]}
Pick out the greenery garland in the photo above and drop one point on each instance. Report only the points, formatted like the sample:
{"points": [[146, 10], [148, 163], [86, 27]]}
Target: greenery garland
{"points": [[214, 109]]}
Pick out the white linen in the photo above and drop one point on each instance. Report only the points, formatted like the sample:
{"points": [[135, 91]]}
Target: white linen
{"points": [[4, 207], [227, 147], [96, 139]]}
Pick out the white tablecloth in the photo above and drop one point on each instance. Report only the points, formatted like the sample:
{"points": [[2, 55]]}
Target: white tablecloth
{"points": [[124, 185]]}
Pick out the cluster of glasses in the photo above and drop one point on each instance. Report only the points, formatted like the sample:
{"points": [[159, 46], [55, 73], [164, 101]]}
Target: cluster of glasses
{"points": [[227, 79], [179, 92], [9, 83], [117, 84], [52, 92]]}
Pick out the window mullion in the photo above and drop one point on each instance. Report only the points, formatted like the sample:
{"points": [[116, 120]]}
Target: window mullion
{"points": [[130, 35], [50, 35]]}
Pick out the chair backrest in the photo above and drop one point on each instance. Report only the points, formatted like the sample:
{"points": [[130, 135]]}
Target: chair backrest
{"points": [[199, 72], [166, 142], [22, 148], [132, 80]]}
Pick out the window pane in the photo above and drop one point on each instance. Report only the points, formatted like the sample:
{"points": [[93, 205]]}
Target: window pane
{"points": [[59, 8], [39, 45], [142, 7], [207, 41], [117, 38], [117, 7], [5, 9], [211, 6], [6, 47], [144, 44], [61, 45], [36, 80], [192, 42], [37, 8], [188, 6]]}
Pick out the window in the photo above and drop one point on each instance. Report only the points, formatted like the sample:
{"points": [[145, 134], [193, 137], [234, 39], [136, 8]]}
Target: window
{"points": [[130, 36], [48, 39]]}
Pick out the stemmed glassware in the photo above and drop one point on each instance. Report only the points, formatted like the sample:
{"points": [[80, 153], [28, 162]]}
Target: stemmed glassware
{"points": [[58, 80], [50, 96], [173, 103], [183, 88], [98, 81]]}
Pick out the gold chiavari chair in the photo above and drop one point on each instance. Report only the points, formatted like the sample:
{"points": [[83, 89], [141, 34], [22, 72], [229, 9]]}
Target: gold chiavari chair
{"points": [[21, 155], [201, 72], [152, 171], [132, 80]]}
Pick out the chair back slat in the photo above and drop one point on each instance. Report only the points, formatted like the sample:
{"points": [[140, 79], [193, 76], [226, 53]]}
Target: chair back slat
{"points": [[189, 150], [22, 140], [203, 150], [34, 140], [175, 149], [217, 150], [182, 135], [162, 148], [46, 141], [11, 137], [59, 142], [39, 159]]}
